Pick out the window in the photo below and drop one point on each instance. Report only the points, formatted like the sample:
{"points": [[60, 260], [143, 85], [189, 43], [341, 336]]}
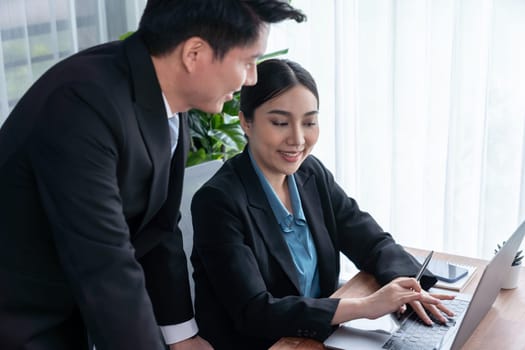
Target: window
{"points": [[422, 113], [35, 34]]}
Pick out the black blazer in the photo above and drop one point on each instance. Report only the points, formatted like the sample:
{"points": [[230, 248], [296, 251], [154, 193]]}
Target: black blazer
{"points": [[88, 210], [247, 291]]}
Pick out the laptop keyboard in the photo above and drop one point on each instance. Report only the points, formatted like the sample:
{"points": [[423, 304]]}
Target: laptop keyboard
{"points": [[414, 334]]}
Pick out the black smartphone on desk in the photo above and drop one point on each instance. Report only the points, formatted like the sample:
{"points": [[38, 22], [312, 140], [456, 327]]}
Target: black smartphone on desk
{"points": [[445, 271]]}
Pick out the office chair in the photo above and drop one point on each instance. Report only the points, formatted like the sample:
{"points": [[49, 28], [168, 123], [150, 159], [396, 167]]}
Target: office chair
{"points": [[195, 176]]}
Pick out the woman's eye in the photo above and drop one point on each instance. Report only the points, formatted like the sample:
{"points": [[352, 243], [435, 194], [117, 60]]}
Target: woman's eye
{"points": [[310, 123], [277, 123]]}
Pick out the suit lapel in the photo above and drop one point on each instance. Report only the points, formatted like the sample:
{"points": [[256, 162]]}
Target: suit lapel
{"points": [[272, 236], [326, 253], [265, 220], [152, 121]]}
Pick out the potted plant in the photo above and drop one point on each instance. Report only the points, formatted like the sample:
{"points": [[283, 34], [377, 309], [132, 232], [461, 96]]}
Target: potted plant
{"points": [[215, 135], [511, 280]]}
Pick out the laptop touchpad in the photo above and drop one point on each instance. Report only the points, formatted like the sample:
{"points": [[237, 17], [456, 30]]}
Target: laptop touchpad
{"points": [[384, 324]]}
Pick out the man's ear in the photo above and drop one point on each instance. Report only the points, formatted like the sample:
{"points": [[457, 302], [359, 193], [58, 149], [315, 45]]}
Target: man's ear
{"points": [[194, 51]]}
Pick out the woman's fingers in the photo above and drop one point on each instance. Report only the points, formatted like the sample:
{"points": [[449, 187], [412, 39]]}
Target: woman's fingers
{"points": [[436, 310], [420, 311], [405, 290], [432, 305], [429, 299], [442, 307], [408, 283]]}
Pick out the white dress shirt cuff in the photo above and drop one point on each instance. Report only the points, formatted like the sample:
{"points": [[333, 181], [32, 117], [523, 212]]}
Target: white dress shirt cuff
{"points": [[179, 332]]}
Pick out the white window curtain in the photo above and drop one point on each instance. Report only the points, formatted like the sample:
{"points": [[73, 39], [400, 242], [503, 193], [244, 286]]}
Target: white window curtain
{"points": [[422, 113], [35, 34]]}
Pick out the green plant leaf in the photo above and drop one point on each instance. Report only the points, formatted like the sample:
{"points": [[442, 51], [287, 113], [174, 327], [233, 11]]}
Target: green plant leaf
{"points": [[196, 157], [232, 107], [125, 35], [229, 137], [517, 258], [272, 55]]}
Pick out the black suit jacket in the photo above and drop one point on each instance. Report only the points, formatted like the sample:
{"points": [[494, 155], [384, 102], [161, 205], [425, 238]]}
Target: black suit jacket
{"points": [[247, 290], [88, 210]]}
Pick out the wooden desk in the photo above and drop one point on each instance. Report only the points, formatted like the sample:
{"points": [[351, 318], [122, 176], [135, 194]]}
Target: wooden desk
{"points": [[502, 328]]}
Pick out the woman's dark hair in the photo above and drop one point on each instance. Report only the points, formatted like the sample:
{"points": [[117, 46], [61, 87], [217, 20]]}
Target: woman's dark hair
{"points": [[224, 24], [275, 76]]}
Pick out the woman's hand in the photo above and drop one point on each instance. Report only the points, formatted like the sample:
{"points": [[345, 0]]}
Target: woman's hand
{"points": [[390, 298], [435, 310], [395, 295]]}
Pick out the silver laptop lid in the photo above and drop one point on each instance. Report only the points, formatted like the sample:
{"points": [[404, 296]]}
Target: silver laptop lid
{"points": [[488, 287]]}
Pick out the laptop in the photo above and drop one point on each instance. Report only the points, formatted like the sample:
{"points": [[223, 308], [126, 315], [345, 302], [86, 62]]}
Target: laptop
{"points": [[389, 332]]}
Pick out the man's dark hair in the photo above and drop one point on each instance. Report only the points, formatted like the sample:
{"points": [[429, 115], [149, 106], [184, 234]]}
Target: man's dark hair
{"points": [[276, 76], [224, 24]]}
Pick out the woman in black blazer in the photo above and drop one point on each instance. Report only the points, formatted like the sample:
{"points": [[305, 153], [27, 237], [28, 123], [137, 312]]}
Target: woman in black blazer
{"points": [[269, 227]]}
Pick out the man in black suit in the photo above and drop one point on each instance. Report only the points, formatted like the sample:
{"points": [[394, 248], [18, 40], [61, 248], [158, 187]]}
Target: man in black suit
{"points": [[91, 169]]}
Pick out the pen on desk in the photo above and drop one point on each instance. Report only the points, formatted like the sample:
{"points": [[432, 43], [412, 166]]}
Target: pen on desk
{"points": [[424, 266]]}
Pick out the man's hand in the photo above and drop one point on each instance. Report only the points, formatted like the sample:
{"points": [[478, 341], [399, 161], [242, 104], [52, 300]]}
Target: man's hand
{"points": [[194, 343]]}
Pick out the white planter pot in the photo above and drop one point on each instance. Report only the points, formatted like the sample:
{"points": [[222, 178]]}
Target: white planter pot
{"points": [[511, 280]]}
